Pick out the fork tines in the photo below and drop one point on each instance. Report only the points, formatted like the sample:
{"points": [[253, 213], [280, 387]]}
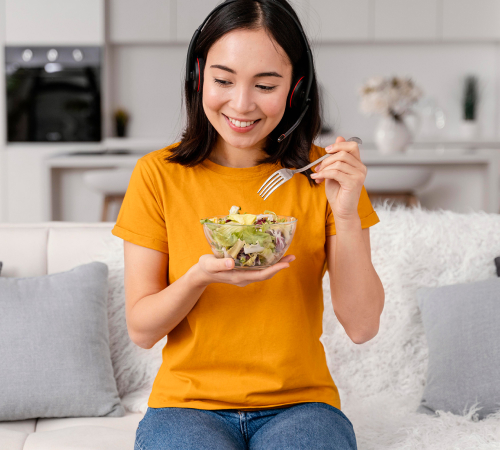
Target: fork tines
{"points": [[272, 182]]}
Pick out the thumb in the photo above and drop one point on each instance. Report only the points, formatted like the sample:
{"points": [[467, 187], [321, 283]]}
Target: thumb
{"points": [[339, 139], [227, 263]]}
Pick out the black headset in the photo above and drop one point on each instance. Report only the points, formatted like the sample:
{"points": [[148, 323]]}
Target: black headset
{"points": [[298, 97]]}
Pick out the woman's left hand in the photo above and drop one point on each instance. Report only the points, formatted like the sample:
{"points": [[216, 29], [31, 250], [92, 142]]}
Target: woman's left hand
{"points": [[345, 175]]}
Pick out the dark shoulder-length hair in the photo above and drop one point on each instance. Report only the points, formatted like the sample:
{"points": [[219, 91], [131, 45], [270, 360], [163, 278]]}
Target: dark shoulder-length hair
{"points": [[199, 136]]}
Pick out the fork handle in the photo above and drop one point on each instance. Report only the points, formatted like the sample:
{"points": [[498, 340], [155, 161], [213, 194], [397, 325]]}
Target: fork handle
{"points": [[353, 139]]}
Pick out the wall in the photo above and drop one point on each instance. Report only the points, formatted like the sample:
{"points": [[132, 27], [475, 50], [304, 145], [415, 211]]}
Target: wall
{"points": [[147, 81], [144, 73], [439, 69]]}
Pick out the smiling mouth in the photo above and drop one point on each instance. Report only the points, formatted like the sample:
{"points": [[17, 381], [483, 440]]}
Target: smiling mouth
{"points": [[240, 124]]}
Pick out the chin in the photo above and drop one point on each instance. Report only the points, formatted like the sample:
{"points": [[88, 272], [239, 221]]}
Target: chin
{"points": [[242, 142]]}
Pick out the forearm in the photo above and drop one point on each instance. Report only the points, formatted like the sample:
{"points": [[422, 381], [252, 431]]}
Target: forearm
{"points": [[154, 316], [357, 292]]}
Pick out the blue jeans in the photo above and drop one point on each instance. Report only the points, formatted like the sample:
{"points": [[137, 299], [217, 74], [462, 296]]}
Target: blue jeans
{"points": [[307, 426]]}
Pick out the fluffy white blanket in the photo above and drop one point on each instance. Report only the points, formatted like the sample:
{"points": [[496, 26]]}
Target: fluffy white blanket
{"points": [[381, 381]]}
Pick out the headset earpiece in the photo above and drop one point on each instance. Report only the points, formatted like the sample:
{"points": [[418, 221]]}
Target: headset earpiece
{"points": [[199, 66], [297, 93]]}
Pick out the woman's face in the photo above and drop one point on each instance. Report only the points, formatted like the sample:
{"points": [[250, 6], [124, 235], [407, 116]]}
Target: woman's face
{"points": [[246, 83]]}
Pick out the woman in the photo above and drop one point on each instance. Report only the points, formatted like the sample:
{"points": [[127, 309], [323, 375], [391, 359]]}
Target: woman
{"points": [[244, 366]]}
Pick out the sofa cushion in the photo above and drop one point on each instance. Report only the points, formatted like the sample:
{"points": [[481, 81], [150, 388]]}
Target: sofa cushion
{"points": [[84, 437], [11, 439], [64, 251], [461, 327], [129, 422], [54, 346], [23, 426]]}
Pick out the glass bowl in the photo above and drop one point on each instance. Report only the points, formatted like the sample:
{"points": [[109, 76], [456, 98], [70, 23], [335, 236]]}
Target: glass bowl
{"points": [[241, 242]]}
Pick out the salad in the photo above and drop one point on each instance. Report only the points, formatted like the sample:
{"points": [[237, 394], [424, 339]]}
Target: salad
{"points": [[262, 244]]}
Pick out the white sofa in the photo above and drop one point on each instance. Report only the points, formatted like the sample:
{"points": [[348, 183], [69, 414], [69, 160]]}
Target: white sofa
{"points": [[380, 382], [37, 249]]}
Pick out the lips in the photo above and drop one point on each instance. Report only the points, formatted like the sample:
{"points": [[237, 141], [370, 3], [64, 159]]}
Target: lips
{"points": [[240, 129]]}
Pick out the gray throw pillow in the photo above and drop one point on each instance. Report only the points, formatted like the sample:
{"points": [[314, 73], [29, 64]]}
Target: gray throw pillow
{"points": [[462, 329], [55, 359]]}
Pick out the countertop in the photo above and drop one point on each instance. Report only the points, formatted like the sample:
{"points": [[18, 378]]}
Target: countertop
{"points": [[135, 144], [370, 156]]}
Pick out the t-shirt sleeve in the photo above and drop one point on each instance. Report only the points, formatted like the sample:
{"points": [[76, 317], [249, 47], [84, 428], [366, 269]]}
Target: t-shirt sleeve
{"points": [[366, 213], [141, 218]]}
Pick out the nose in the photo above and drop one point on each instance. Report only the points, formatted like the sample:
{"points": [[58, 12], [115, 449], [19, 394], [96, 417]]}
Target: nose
{"points": [[242, 101]]}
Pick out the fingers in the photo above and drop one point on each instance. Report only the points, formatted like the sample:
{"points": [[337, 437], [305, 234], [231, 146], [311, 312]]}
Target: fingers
{"points": [[351, 147], [343, 178], [215, 265], [342, 156], [334, 170], [221, 265], [344, 159], [338, 161], [283, 263], [216, 270]]}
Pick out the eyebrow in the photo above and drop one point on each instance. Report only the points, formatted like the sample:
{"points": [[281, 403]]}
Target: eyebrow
{"points": [[262, 74]]}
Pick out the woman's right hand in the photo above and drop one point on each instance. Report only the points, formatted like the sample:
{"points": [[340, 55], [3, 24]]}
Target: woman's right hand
{"points": [[210, 269]]}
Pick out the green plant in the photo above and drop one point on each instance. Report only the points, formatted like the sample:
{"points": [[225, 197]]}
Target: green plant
{"points": [[121, 116], [470, 99], [121, 120]]}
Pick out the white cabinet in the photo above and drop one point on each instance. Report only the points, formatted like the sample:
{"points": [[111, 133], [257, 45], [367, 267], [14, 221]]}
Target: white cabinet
{"points": [[54, 22], [136, 21], [406, 20], [339, 20], [190, 15], [466, 20]]}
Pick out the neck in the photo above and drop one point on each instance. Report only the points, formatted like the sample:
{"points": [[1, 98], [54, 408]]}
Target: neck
{"points": [[225, 154]]}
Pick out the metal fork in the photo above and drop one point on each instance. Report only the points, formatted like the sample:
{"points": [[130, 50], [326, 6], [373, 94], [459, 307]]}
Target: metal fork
{"points": [[282, 175]]}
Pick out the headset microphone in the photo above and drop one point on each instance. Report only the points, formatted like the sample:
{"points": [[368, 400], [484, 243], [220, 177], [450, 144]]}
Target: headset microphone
{"points": [[298, 96], [295, 125]]}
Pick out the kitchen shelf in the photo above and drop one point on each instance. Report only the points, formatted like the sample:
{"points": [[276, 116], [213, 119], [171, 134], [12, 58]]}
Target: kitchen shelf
{"points": [[142, 145]]}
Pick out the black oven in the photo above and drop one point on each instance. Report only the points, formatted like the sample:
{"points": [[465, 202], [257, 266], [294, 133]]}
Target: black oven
{"points": [[53, 94]]}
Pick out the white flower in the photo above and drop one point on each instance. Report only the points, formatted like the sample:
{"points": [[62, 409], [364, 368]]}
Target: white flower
{"points": [[375, 82], [392, 95]]}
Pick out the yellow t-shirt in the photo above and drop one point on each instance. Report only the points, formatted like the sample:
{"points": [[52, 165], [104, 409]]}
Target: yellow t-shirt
{"points": [[245, 348]]}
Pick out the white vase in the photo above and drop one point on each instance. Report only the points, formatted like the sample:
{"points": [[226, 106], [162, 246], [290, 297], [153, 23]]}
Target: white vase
{"points": [[469, 130], [392, 136]]}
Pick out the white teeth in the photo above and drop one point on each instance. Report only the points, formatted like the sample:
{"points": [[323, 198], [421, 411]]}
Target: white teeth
{"points": [[240, 124]]}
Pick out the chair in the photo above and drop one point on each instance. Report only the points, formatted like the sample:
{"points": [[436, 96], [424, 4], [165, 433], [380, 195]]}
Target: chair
{"points": [[112, 183]]}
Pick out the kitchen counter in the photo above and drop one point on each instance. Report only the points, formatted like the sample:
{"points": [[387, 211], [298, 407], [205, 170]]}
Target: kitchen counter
{"points": [[465, 174], [111, 143], [463, 161], [91, 160], [430, 156], [478, 167], [414, 155]]}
